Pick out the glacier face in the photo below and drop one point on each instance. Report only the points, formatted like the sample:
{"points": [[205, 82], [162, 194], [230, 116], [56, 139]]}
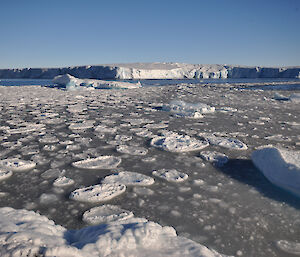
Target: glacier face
{"points": [[154, 71]]}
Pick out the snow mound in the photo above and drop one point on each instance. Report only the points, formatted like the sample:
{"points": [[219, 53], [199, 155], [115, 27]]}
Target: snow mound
{"points": [[281, 167], [189, 110], [230, 143], [132, 150], [17, 165], [218, 159], [170, 175], [129, 178], [63, 182], [5, 174], [105, 213], [26, 233], [71, 83], [173, 142], [97, 193], [101, 162]]}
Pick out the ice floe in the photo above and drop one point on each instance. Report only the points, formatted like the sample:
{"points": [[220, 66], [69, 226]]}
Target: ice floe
{"points": [[230, 143], [189, 110], [129, 178], [289, 247], [105, 213], [218, 159], [63, 182], [281, 167], [97, 193], [5, 174], [101, 162], [178, 143], [132, 150], [17, 165], [171, 175], [26, 233]]}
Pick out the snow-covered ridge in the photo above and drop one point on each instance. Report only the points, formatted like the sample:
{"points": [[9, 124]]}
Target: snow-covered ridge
{"points": [[154, 71]]}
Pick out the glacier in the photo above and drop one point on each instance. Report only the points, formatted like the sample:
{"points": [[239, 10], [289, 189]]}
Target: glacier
{"points": [[154, 71]]}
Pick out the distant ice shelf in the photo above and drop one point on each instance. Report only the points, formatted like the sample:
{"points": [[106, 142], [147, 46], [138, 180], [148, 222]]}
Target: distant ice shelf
{"points": [[155, 71]]}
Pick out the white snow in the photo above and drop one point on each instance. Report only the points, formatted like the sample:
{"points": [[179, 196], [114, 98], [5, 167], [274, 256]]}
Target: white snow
{"points": [[171, 175], [129, 178], [26, 233], [17, 165], [101, 162], [281, 167], [105, 213], [178, 143], [71, 83], [97, 193]]}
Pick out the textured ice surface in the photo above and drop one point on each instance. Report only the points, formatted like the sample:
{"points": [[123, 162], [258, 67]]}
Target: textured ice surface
{"points": [[105, 214], [178, 143], [214, 157], [17, 165], [281, 167], [102, 162], [129, 178], [171, 175], [98, 193], [233, 208], [5, 174], [25, 233]]}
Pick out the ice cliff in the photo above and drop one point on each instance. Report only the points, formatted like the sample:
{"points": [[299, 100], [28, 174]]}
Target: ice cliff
{"points": [[154, 71]]}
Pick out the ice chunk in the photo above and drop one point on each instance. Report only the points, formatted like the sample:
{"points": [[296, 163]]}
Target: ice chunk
{"points": [[48, 198], [5, 174], [71, 83], [102, 162], [170, 175], [129, 178], [98, 193], [63, 182], [105, 213], [178, 143], [26, 233], [289, 247], [17, 165], [132, 150], [295, 98], [191, 110], [281, 167], [230, 143], [219, 159]]}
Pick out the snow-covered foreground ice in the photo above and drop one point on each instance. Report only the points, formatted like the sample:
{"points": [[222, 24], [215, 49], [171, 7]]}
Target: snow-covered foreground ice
{"points": [[280, 166], [25, 233], [58, 147]]}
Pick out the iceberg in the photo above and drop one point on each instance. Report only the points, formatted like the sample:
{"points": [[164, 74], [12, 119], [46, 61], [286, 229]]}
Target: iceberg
{"points": [[281, 167], [72, 83]]}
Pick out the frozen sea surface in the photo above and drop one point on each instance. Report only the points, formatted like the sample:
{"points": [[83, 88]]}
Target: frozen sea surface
{"points": [[231, 208]]}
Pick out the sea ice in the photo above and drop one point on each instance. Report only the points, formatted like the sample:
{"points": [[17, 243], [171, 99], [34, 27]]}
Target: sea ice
{"points": [[97, 193], [63, 182], [170, 175], [5, 174], [281, 167], [101, 162], [129, 178], [132, 150], [17, 165], [178, 143], [105, 214], [219, 159], [26, 233], [289, 247], [230, 143]]}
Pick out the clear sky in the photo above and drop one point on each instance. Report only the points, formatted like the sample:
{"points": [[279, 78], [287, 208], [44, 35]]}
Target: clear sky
{"points": [[56, 33]]}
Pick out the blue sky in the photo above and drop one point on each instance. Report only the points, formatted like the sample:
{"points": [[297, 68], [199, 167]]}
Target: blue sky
{"points": [[50, 33]]}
